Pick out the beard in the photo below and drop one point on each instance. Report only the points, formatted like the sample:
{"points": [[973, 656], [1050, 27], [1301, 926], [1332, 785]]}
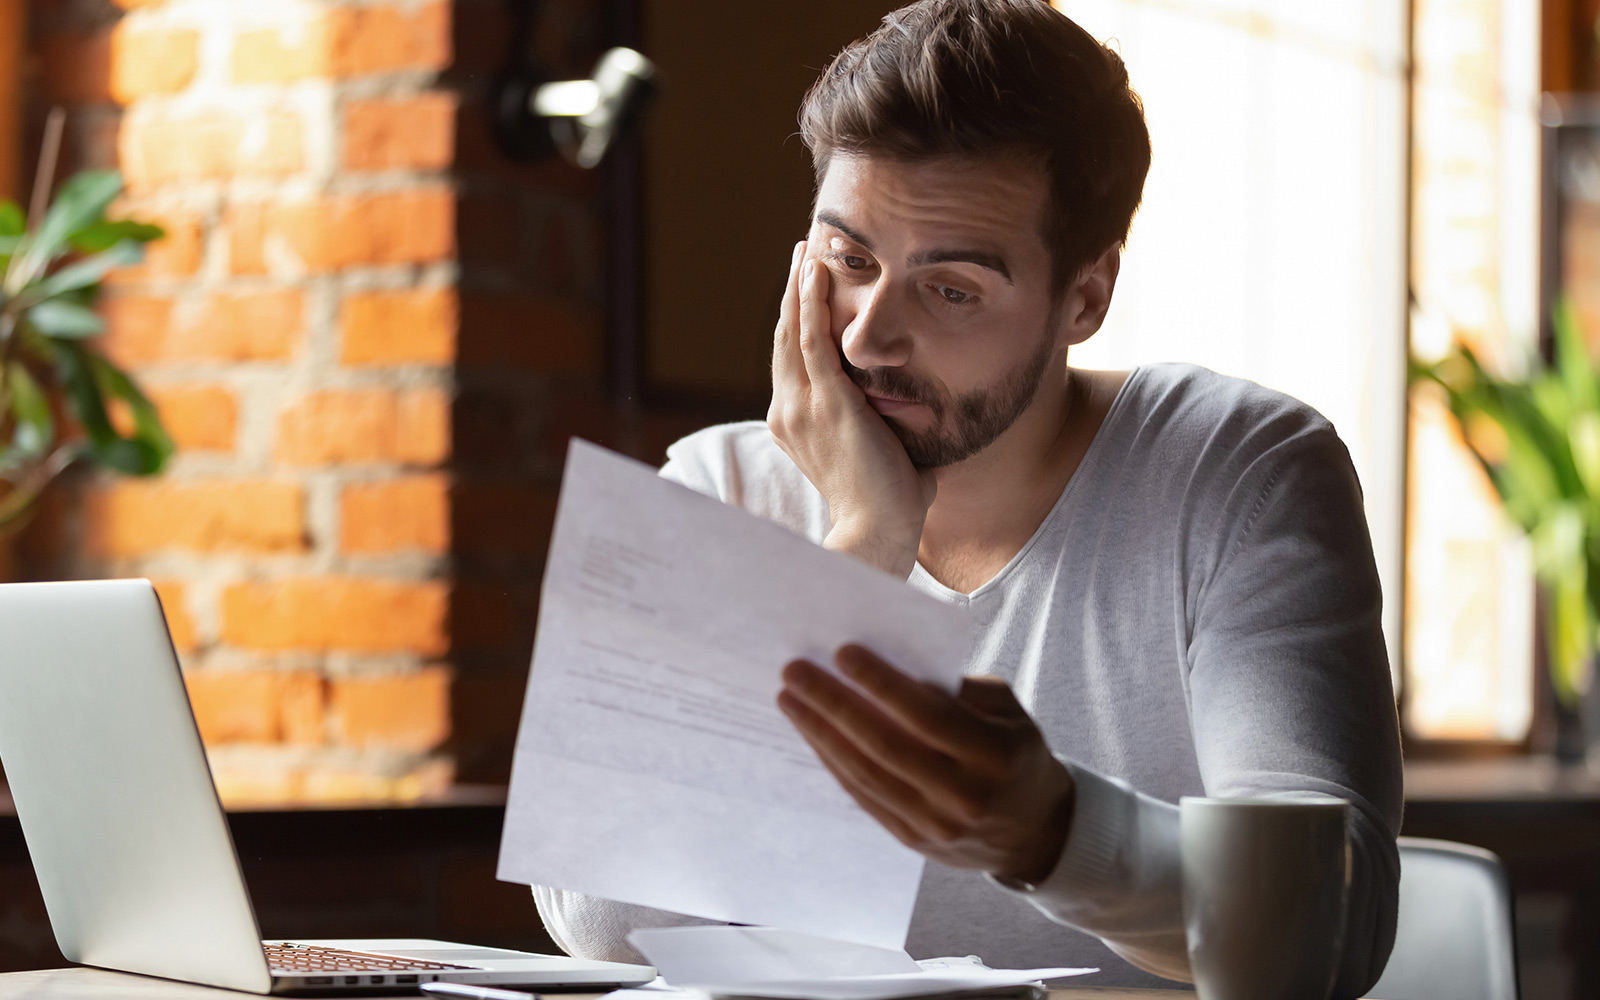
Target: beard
{"points": [[962, 425]]}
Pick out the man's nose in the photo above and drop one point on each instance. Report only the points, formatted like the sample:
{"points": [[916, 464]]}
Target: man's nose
{"points": [[877, 336]]}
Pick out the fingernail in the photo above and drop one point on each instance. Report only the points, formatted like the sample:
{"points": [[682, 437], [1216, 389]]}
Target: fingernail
{"points": [[807, 270]]}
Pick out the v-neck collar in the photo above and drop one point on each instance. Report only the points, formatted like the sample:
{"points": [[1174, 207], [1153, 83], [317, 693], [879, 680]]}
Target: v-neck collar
{"points": [[929, 582]]}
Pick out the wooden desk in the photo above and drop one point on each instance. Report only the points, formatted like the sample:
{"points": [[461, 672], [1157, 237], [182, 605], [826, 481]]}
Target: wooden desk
{"points": [[97, 984]]}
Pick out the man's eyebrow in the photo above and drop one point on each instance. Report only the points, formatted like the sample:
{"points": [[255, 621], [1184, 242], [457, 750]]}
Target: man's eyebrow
{"points": [[982, 258], [829, 219], [991, 261]]}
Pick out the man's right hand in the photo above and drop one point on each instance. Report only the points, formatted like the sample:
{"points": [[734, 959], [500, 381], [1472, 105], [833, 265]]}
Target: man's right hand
{"points": [[876, 498]]}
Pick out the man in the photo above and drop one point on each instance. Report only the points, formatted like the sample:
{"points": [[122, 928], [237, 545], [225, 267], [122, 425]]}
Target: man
{"points": [[1170, 570]]}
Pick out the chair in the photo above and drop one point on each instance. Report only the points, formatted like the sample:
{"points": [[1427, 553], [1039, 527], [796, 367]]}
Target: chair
{"points": [[1455, 938]]}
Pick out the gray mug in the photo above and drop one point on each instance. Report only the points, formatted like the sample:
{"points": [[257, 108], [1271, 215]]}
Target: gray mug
{"points": [[1265, 887]]}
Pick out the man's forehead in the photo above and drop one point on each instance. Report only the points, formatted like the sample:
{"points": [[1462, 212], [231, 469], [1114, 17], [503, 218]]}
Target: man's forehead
{"points": [[998, 201]]}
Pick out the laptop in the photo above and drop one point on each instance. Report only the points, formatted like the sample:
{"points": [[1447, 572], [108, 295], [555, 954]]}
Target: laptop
{"points": [[129, 840]]}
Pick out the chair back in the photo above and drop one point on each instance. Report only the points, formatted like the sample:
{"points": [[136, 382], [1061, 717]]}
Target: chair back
{"points": [[1455, 937]]}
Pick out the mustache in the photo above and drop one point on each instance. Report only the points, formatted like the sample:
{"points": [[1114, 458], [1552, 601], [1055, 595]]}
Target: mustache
{"points": [[892, 383]]}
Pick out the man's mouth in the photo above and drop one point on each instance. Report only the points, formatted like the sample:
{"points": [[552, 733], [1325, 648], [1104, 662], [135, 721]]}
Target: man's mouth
{"points": [[888, 405]]}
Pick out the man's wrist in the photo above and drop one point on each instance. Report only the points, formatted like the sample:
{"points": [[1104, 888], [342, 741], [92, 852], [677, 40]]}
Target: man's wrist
{"points": [[895, 557], [1038, 865]]}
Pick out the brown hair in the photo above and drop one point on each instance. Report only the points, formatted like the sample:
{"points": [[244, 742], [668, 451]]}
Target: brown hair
{"points": [[980, 78]]}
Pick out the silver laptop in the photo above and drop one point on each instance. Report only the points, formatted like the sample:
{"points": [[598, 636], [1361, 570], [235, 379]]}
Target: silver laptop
{"points": [[129, 841]]}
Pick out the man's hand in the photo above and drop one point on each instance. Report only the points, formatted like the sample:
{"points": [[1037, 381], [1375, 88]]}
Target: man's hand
{"points": [[967, 780], [877, 500]]}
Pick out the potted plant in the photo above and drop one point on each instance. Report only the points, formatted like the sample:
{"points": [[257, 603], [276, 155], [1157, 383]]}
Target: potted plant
{"points": [[59, 395], [1538, 438]]}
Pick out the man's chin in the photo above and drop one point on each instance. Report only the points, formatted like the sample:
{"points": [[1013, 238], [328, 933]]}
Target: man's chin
{"points": [[926, 451]]}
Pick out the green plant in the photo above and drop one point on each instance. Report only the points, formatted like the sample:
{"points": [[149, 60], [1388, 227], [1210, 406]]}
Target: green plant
{"points": [[57, 391], [1538, 437]]}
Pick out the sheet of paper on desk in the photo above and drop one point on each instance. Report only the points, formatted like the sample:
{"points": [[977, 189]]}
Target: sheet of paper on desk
{"points": [[652, 765], [780, 965]]}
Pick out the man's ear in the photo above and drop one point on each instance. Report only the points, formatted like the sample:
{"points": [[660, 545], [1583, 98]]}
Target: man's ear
{"points": [[1086, 302]]}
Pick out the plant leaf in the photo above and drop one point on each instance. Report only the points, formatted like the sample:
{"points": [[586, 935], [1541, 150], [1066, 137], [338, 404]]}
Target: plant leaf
{"points": [[35, 427], [12, 221], [90, 380], [60, 318], [1578, 371], [81, 202], [107, 233], [86, 272]]}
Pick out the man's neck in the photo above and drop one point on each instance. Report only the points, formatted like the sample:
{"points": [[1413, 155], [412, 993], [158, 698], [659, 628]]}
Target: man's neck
{"points": [[989, 506]]}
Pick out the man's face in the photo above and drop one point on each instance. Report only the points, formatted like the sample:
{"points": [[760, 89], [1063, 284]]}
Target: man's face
{"points": [[940, 294]]}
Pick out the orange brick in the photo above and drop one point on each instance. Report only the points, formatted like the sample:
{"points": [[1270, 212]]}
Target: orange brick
{"points": [[76, 67], [199, 417], [175, 254], [396, 514], [376, 39], [138, 516], [366, 425], [531, 332], [416, 326], [174, 604], [415, 226], [249, 326], [346, 613], [346, 42], [422, 427], [401, 712], [302, 708], [416, 133], [272, 56], [246, 228], [136, 328], [408, 227], [147, 61], [157, 150], [256, 706]]}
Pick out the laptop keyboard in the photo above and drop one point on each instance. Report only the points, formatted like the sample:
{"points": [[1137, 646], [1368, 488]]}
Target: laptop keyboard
{"points": [[295, 958]]}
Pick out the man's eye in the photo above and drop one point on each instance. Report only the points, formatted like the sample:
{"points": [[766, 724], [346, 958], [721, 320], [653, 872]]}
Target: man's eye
{"points": [[852, 262], [954, 296]]}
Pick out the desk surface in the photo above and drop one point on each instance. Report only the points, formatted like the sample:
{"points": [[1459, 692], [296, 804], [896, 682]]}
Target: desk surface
{"points": [[98, 984]]}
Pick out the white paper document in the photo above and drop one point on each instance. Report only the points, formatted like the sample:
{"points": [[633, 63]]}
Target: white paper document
{"points": [[652, 765], [765, 962]]}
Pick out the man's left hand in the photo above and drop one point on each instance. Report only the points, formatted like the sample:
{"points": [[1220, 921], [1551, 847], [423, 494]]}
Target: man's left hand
{"points": [[967, 780]]}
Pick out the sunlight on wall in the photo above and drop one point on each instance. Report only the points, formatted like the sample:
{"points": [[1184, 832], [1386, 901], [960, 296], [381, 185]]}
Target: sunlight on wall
{"points": [[1469, 599], [1271, 240]]}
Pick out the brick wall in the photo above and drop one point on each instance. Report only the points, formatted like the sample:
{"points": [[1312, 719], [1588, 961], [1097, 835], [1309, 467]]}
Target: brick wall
{"points": [[370, 336]]}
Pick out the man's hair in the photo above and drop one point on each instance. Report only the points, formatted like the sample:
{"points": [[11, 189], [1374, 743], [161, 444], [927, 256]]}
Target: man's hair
{"points": [[984, 78]]}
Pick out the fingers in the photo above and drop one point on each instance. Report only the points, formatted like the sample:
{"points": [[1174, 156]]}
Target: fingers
{"points": [[891, 801], [816, 333], [924, 710], [786, 336], [854, 729], [991, 696]]}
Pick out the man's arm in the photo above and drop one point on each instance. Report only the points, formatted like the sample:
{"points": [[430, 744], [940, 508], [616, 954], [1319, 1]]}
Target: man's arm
{"points": [[1290, 697]]}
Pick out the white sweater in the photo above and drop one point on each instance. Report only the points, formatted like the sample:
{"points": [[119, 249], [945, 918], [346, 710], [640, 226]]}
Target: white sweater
{"points": [[1197, 615]]}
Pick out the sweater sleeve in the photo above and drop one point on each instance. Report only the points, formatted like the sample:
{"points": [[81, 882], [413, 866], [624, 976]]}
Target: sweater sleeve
{"points": [[1290, 696]]}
